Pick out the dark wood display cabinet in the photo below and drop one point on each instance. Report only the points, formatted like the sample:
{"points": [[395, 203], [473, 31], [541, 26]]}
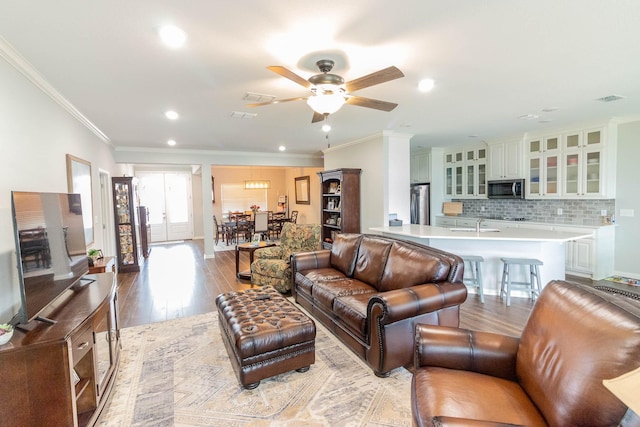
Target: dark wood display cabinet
{"points": [[61, 374], [145, 230], [340, 203], [125, 205]]}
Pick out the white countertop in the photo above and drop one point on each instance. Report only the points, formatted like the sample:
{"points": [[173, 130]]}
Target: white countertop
{"points": [[504, 234]]}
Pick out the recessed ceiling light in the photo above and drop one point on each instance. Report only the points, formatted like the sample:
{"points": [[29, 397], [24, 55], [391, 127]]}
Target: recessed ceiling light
{"points": [[426, 85], [171, 115], [171, 142], [528, 117], [172, 36], [326, 128], [282, 148]]}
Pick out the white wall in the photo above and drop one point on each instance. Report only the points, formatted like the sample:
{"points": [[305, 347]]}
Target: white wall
{"points": [[382, 173], [36, 133], [628, 198]]}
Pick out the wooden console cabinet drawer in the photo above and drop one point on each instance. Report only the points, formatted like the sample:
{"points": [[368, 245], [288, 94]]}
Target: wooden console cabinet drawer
{"points": [[81, 344]]}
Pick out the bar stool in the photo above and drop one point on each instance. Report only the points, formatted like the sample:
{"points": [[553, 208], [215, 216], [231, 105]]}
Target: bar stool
{"points": [[475, 281], [533, 286]]}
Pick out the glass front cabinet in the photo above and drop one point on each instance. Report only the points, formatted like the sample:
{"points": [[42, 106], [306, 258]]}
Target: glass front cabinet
{"points": [[125, 204], [570, 166]]}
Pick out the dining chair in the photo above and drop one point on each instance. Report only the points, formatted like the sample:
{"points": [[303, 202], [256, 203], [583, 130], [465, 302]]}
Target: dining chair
{"points": [[261, 224], [243, 227], [275, 225], [219, 230]]}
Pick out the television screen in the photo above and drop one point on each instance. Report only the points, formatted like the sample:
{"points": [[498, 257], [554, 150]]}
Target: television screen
{"points": [[50, 247]]}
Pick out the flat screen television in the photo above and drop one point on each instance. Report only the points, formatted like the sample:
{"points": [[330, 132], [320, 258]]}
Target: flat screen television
{"points": [[50, 248]]}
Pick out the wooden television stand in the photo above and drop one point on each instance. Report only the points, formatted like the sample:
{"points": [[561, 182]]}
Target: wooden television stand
{"points": [[61, 374]]}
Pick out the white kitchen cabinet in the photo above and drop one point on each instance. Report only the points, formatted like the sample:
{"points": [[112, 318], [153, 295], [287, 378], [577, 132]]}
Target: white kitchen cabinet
{"points": [[420, 167], [580, 254], [475, 180], [584, 164], [465, 171], [505, 160], [576, 168], [543, 175]]}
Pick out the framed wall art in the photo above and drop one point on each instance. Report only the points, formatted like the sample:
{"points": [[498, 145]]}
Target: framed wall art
{"points": [[302, 190]]}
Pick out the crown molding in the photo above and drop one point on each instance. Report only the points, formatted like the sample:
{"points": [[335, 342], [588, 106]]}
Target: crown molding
{"points": [[17, 61]]}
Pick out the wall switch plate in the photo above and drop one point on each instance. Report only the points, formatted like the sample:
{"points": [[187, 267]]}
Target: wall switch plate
{"points": [[482, 209], [559, 212], [603, 212]]}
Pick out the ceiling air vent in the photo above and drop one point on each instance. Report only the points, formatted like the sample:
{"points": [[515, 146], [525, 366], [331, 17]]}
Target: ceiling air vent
{"points": [[242, 115], [258, 97], [610, 98]]}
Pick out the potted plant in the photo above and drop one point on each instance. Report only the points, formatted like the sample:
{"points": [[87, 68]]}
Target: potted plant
{"points": [[94, 255]]}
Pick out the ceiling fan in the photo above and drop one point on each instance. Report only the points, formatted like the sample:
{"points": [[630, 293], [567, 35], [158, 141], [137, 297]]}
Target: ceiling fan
{"points": [[329, 92]]}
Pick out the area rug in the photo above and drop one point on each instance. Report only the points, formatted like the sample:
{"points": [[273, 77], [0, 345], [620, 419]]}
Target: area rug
{"points": [[178, 373], [623, 280]]}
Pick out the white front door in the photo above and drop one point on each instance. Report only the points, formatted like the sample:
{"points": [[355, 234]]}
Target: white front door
{"points": [[168, 198]]}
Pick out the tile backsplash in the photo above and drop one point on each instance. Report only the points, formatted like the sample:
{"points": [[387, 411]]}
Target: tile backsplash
{"points": [[575, 212]]}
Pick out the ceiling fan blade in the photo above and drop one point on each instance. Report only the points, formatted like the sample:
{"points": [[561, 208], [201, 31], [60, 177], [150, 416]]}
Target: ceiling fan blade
{"points": [[382, 76], [290, 75], [317, 117], [371, 103], [275, 101]]}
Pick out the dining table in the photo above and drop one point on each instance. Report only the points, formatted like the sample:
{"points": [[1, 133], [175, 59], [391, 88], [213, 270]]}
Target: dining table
{"points": [[246, 225]]}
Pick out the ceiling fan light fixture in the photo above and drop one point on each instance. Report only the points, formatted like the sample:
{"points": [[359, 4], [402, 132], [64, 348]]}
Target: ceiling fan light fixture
{"points": [[327, 99]]}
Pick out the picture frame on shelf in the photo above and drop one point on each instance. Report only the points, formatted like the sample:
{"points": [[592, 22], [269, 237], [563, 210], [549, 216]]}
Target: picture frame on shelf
{"points": [[333, 187]]}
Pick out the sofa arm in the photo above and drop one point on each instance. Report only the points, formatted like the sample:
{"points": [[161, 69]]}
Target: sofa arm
{"points": [[310, 260], [455, 348], [400, 304], [271, 252]]}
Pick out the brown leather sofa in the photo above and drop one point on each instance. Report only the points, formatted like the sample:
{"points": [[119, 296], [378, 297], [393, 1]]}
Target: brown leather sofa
{"points": [[371, 291], [575, 337]]}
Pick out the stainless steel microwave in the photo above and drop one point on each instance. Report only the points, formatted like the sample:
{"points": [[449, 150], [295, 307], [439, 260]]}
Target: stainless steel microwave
{"points": [[506, 189]]}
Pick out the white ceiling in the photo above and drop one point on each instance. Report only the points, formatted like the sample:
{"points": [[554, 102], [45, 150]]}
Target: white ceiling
{"points": [[493, 61]]}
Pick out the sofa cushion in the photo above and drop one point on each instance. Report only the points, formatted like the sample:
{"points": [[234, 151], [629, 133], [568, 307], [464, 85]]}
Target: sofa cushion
{"points": [[306, 280], [343, 252], [352, 312], [409, 265], [371, 259], [326, 291], [575, 337], [473, 396]]}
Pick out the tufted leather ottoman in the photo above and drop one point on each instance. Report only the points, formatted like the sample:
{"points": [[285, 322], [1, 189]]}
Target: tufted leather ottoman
{"points": [[265, 335]]}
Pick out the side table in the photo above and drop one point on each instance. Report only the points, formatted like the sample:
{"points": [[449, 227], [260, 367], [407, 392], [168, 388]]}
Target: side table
{"points": [[103, 264], [251, 248]]}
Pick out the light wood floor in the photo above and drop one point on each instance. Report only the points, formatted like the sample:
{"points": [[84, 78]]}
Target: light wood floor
{"points": [[176, 281]]}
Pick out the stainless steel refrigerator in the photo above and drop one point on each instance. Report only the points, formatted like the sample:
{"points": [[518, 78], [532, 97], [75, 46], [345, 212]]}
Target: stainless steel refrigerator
{"points": [[420, 204]]}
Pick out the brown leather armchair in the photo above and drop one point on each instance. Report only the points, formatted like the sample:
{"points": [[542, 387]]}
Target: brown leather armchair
{"points": [[575, 337]]}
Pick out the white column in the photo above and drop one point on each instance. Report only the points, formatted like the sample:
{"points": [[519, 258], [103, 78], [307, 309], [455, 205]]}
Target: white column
{"points": [[207, 212]]}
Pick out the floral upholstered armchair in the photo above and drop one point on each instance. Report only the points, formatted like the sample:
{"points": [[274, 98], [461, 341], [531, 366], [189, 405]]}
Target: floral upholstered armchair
{"points": [[271, 265]]}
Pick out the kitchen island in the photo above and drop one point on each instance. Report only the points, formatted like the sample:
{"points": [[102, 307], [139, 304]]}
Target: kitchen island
{"points": [[492, 244]]}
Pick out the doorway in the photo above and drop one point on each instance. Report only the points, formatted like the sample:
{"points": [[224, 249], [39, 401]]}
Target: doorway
{"points": [[106, 213], [167, 195]]}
